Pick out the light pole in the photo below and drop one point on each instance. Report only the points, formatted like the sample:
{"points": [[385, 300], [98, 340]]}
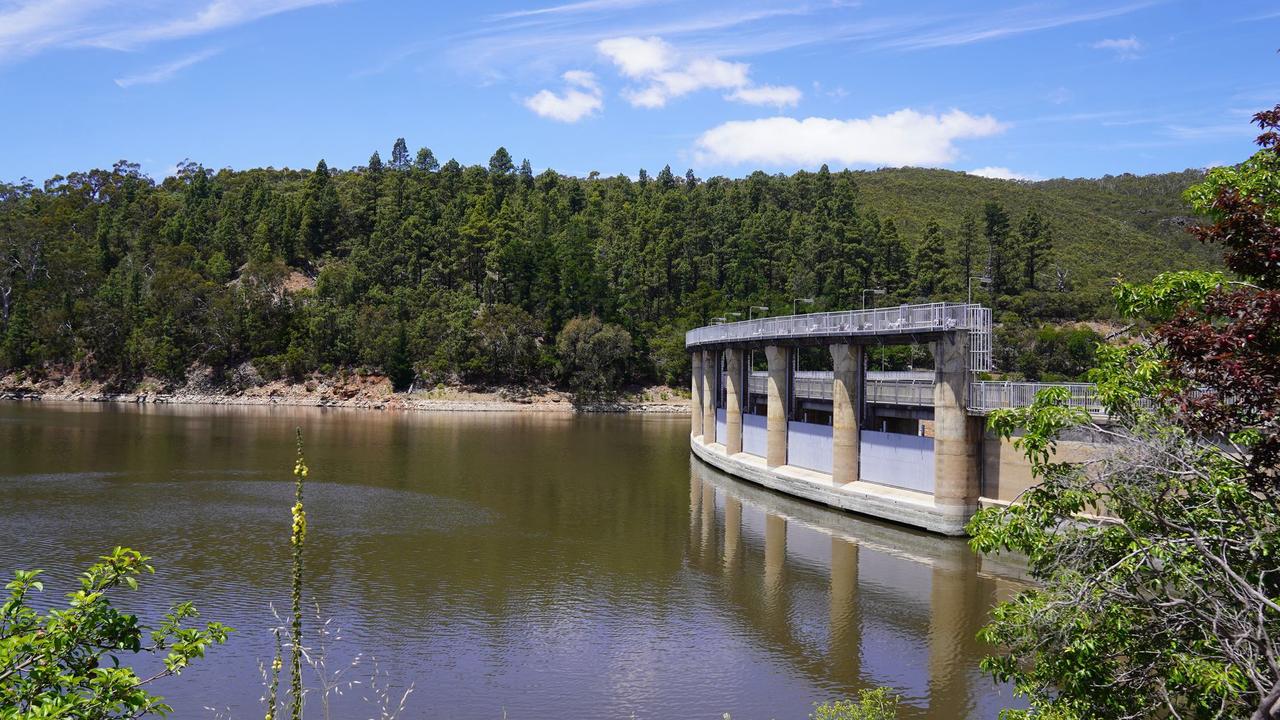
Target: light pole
{"points": [[873, 291], [753, 308], [982, 279], [806, 301], [735, 314], [718, 320]]}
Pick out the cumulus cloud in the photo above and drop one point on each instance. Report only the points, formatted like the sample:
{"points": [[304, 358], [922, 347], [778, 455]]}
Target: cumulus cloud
{"points": [[164, 72], [905, 137], [1124, 48], [666, 73], [1001, 173], [581, 99]]}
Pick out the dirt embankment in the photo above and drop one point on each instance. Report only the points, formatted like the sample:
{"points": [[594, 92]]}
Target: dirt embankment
{"points": [[243, 386]]}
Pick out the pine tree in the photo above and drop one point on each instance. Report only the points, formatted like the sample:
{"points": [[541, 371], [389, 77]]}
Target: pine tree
{"points": [[967, 244], [501, 162], [375, 164], [526, 174], [666, 179], [996, 233], [931, 263], [1035, 240], [318, 227], [400, 155], [894, 260], [426, 160]]}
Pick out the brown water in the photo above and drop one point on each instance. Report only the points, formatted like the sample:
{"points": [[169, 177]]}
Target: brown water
{"points": [[537, 566]]}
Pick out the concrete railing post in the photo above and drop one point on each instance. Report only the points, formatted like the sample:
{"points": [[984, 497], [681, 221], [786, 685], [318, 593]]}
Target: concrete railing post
{"points": [[695, 397], [846, 406], [956, 436], [710, 373], [779, 380], [733, 402]]}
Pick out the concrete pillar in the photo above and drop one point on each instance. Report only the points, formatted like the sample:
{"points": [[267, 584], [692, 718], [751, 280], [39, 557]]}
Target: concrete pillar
{"points": [[846, 410], [845, 620], [732, 531], [710, 375], [779, 381], [695, 397], [957, 437], [733, 401]]}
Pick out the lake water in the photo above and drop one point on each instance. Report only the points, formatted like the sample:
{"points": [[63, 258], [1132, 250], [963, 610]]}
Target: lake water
{"points": [[518, 566]]}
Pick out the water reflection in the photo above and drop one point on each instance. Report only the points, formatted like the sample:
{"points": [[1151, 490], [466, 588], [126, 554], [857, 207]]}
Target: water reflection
{"points": [[852, 602], [541, 566]]}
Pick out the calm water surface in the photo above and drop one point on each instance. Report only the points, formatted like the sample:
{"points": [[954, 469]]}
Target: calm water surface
{"points": [[545, 567]]}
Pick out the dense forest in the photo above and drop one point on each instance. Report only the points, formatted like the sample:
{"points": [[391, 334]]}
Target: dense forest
{"points": [[493, 275]]}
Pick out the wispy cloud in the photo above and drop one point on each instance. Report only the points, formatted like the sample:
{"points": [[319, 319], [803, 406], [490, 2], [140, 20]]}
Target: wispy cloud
{"points": [[581, 99], [575, 7], [165, 72], [1124, 48], [28, 27], [982, 27], [905, 137]]}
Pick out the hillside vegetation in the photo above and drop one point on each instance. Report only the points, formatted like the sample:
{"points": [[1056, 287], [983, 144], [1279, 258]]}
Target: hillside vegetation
{"points": [[490, 275]]}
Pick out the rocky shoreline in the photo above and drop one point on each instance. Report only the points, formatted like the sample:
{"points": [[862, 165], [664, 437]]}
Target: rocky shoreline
{"points": [[356, 392]]}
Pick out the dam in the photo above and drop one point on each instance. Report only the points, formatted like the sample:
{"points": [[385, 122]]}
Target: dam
{"points": [[903, 446]]}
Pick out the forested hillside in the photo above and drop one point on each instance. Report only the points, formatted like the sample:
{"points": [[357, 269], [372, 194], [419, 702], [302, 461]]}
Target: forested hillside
{"points": [[490, 274]]}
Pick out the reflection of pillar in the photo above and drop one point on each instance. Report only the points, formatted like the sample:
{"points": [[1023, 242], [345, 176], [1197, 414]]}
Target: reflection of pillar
{"points": [[710, 375], [845, 629], [695, 505], [695, 397], [732, 530], [708, 518], [957, 608], [779, 376], [956, 436], [775, 558], [733, 401], [846, 397]]}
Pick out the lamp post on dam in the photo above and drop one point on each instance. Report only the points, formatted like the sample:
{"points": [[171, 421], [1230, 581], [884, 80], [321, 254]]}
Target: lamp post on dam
{"points": [[901, 446]]}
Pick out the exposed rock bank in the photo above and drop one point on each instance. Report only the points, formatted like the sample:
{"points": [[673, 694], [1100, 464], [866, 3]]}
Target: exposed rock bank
{"points": [[373, 392]]}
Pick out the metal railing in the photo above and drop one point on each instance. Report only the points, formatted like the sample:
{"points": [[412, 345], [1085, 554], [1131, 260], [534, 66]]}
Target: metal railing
{"points": [[908, 388], [915, 388], [986, 395], [876, 321]]}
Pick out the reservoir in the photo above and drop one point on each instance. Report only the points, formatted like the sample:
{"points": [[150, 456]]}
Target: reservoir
{"points": [[531, 565]]}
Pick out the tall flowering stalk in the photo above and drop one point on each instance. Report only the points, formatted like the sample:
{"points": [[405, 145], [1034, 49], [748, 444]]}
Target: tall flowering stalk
{"points": [[274, 693], [296, 540]]}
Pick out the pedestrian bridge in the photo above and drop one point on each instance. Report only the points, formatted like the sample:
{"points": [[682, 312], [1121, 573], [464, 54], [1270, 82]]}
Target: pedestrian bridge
{"points": [[907, 446]]}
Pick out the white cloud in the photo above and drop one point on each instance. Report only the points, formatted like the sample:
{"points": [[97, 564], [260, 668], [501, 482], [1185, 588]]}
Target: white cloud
{"points": [[638, 57], [1001, 173], [28, 27], [905, 137], [581, 99], [666, 74], [1124, 48], [164, 72], [777, 95]]}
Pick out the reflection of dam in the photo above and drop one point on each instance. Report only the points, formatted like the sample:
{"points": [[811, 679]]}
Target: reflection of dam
{"points": [[850, 602]]}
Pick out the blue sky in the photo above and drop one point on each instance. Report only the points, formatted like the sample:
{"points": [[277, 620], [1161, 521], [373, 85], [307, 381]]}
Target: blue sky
{"points": [[1036, 89]]}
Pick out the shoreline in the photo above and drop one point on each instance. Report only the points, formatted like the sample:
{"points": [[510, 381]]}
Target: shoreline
{"points": [[389, 401]]}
